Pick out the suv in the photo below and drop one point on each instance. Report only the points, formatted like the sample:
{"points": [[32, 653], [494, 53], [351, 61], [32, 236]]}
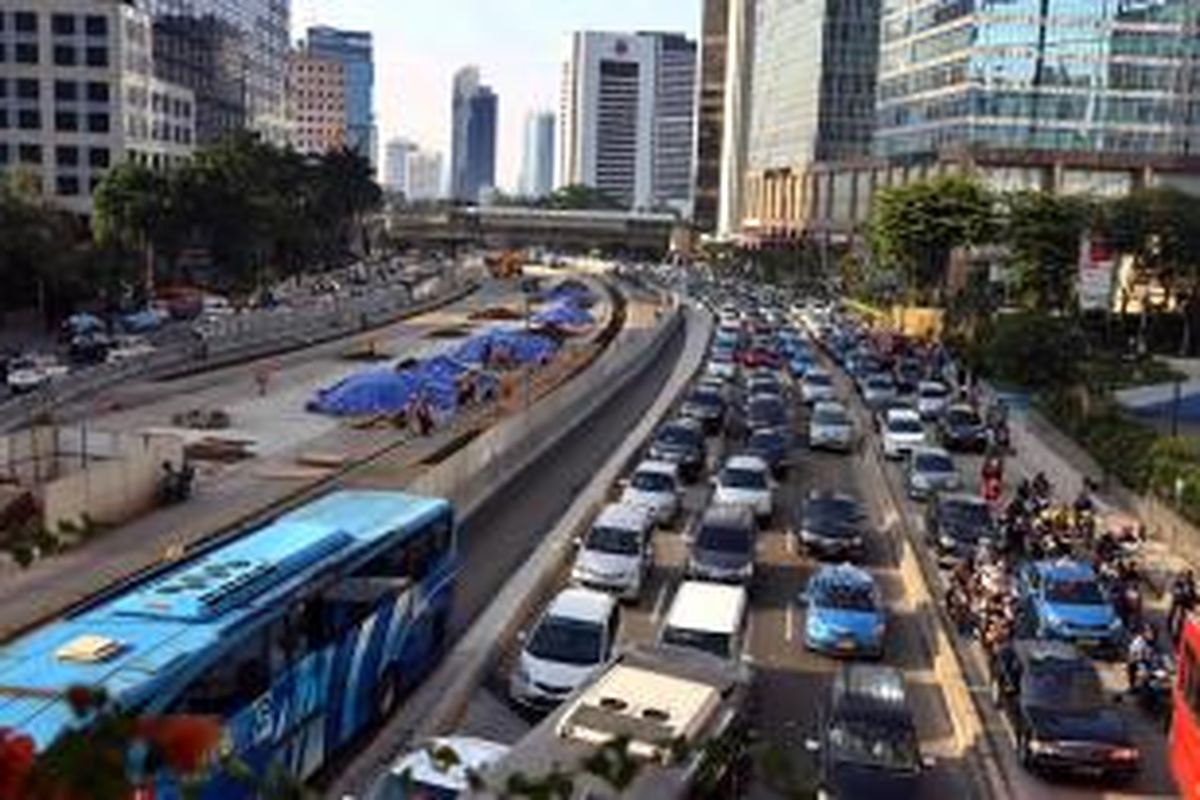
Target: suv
{"points": [[615, 553], [868, 745], [707, 616], [723, 545], [1054, 698], [573, 639]]}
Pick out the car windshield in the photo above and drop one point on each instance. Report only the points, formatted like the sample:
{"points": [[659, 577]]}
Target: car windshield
{"points": [[1074, 592], [707, 641], [831, 509], [566, 640], [934, 392], [845, 597], [830, 416], [710, 399], [736, 478], [727, 539], [880, 382], [904, 425], [874, 743], [646, 481], [933, 462], [1062, 685], [962, 416], [818, 379], [678, 435], [618, 541], [767, 441], [964, 514]]}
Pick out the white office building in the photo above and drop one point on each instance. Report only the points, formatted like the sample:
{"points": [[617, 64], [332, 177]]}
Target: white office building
{"points": [[78, 95], [395, 164], [424, 176], [537, 157]]}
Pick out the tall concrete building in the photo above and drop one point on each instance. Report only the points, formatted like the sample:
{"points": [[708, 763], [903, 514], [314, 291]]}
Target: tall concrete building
{"points": [[473, 136], [354, 50], [812, 99], [423, 176], [537, 157], [233, 55], [735, 121], [395, 164], [626, 117], [317, 99], [710, 113], [78, 95]]}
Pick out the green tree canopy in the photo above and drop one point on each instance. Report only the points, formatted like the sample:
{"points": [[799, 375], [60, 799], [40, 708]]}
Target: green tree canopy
{"points": [[579, 197], [1043, 232]]}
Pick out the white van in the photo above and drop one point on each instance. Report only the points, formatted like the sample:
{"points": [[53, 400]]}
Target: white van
{"points": [[615, 553], [707, 616]]}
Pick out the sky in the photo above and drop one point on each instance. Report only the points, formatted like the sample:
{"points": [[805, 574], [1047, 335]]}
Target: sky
{"points": [[517, 44]]}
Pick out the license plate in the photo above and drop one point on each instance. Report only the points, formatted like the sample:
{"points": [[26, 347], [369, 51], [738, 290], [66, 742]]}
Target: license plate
{"points": [[1088, 642], [846, 644]]}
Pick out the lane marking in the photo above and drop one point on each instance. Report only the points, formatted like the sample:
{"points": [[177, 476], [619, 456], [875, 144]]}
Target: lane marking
{"points": [[789, 622], [659, 601]]}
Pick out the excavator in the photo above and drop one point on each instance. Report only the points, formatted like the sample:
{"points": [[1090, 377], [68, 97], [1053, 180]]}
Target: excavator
{"points": [[507, 264]]}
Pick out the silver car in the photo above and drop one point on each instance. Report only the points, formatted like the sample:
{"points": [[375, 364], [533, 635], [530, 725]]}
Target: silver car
{"points": [[831, 428], [931, 470]]}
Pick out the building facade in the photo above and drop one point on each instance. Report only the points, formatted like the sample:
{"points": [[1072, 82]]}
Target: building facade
{"points": [[735, 124], [812, 98], [233, 54], [354, 50], [423, 174], [395, 164], [710, 114], [78, 95], [474, 112], [317, 93], [537, 157], [626, 117]]}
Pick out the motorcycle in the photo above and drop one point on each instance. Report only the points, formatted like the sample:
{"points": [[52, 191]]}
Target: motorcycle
{"points": [[1152, 682]]}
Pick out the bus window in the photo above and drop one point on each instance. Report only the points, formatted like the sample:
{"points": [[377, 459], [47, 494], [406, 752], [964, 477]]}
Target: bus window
{"points": [[230, 683]]}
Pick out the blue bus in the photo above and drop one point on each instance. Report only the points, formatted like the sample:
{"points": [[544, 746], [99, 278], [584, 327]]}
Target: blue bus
{"points": [[298, 634]]}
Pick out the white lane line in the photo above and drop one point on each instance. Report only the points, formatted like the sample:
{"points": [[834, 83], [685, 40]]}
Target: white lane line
{"points": [[659, 602], [789, 622]]}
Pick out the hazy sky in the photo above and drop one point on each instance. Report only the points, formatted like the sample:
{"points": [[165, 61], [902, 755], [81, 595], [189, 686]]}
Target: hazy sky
{"points": [[518, 45]]}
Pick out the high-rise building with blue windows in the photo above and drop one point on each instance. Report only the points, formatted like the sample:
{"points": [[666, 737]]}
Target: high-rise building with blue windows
{"points": [[474, 115], [354, 50], [537, 157]]}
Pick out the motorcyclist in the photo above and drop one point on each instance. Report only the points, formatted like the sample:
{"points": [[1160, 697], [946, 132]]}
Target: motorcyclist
{"points": [[1183, 600], [1141, 655], [1041, 486]]}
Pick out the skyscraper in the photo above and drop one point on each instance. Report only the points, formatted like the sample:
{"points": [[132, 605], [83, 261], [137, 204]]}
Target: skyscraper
{"points": [[710, 113], [537, 158], [355, 52], [735, 122], [674, 121], [812, 97], [473, 136], [395, 164], [424, 176], [233, 55], [625, 124], [317, 92]]}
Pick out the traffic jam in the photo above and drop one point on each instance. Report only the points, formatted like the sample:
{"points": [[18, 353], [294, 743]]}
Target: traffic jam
{"points": [[749, 553]]}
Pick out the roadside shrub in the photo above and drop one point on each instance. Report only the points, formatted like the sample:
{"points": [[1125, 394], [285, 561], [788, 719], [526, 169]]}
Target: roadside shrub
{"points": [[1037, 351]]}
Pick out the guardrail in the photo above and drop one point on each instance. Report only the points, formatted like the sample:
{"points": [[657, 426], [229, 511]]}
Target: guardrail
{"points": [[238, 338]]}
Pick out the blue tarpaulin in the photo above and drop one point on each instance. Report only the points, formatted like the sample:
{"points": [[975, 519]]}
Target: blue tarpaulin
{"points": [[515, 346], [563, 314], [569, 291]]}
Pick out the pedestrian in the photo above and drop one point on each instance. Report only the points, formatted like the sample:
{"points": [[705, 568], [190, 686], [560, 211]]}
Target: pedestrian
{"points": [[1183, 601], [262, 377], [424, 416]]}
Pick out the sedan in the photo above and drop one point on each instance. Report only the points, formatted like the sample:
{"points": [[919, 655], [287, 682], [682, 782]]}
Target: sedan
{"points": [[722, 548], [772, 445], [931, 470], [878, 389], [901, 432], [957, 525], [766, 411], [746, 481], [932, 398], [654, 485], [1056, 703], [845, 612], [817, 386], [832, 526], [681, 442], [761, 357], [705, 406], [831, 428], [962, 429], [1066, 602]]}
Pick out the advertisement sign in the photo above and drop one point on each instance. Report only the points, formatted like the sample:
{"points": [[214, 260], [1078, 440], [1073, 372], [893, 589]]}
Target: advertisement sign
{"points": [[1097, 267]]}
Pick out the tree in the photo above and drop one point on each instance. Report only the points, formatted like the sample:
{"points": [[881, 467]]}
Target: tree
{"points": [[580, 197], [130, 207], [1043, 232], [914, 228]]}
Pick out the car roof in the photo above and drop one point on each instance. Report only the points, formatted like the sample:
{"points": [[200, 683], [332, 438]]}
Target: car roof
{"points": [[902, 413], [709, 607], [661, 467], [624, 516], [1035, 649], [829, 405], [930, 450], [842, 575], [728, 514], [815, 495], [960, 497], [871, 690], [815, 371], [582, 604], [925, 386], [473, 755], [961, 407], [683, 422], [1065, 569], [750, 462]]}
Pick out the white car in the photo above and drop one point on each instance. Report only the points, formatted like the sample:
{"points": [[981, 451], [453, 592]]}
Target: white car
{"points": [[817, 386], [572, 640], [901, 432], [129, 348], [423, 772], [830, 427], [931, 470], [28, 373], [878, 389], [654, 485], [932, 399], [723, 368], [615, 554], [746, 481]]}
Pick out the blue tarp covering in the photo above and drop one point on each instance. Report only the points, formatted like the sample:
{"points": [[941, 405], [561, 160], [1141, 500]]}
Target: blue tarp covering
{"points": [[519, 347], [564, 314], [570, 291]]}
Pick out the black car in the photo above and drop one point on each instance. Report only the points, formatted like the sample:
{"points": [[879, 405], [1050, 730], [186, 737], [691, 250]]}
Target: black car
{"points": [[773, 446], [1053, 696], [766, 411], [957, 524], [962, 429], [831, 525], [681, 442], [909, 373], [868, 746], [706, 406], [722, 545]]}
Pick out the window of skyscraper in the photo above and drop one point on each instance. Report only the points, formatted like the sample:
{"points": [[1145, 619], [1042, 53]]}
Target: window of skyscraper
{"points": [[66, 121], [29, 119], [96, 26], [26, 53], [63, 24], [65, 55], [25, 22], [66, 156], [3, 152], [3, 119], [66, 90], [98, 157], [67, 185], [27, 89], [29, 153], [98, 123], [97, 91], [97, 56]]}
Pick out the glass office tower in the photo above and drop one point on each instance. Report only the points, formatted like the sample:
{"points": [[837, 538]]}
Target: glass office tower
{"points": [[1098, 77]]}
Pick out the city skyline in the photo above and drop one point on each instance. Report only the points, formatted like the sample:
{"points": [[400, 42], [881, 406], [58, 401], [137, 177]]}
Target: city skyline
{"points": [[418, 50]]}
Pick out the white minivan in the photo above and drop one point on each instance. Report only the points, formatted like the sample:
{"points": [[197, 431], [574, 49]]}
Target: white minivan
{"points": [[615, 553], [707, 616]]}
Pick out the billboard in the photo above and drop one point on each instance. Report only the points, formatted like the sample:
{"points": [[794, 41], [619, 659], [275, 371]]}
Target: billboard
{"points": [[1097, 268]]}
